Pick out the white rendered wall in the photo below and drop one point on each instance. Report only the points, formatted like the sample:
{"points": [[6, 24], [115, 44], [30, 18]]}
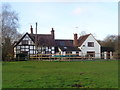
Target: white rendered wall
{"points": [[96, 48], [73, 52]]}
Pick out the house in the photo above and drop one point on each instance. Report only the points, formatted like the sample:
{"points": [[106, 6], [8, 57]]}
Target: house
{"points": [[31, 44], [35, 43], [88, 45]]}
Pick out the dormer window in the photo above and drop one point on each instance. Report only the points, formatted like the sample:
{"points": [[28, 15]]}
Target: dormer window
{"points": [[90, 44]]}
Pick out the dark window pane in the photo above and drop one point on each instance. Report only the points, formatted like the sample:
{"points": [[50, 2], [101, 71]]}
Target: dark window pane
{"points": [[90, 44]]}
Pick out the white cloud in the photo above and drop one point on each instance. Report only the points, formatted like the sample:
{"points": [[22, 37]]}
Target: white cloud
{"points": [[78, 11]]}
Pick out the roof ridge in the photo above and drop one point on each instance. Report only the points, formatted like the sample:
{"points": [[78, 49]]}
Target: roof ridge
{"points": [[63, 39], [40, 34]]}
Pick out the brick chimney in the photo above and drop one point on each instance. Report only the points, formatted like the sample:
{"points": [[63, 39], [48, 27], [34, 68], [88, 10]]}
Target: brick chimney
{"points": [[52, 33], [75, 42], [31, 29]]}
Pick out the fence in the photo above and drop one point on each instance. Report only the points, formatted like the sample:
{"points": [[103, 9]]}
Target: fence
{"points": [[104, 55]]}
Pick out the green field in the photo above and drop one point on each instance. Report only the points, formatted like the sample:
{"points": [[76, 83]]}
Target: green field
{"points": [[46, 74]]}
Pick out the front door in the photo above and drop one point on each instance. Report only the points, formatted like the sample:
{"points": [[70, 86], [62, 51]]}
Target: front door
{"points": [[91, 53]]}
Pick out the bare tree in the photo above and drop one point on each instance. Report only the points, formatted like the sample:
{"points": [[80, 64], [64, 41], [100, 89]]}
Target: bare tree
{"points": [[109, 41], [112, 41], [9, 26], [10, 23]]}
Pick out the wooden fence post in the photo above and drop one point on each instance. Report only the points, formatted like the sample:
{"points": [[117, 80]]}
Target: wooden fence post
{"points": [[105, 55], [111, 55]]}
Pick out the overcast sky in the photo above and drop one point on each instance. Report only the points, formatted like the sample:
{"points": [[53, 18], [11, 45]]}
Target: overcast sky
{"points": [[98, 18]]}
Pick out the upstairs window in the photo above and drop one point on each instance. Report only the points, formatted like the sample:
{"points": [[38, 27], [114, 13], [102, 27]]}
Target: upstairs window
{"points": [[90, 44], [24, 42]]}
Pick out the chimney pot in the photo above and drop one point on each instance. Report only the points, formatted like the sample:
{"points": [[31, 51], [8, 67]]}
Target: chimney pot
{"points": [[31, 29], [75, 43], [52, 33]]}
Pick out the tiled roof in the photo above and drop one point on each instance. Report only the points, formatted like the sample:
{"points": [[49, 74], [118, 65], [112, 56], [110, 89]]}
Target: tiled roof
{"points": [[48, 40], [82, 39], [43, 39], [63, 42]]}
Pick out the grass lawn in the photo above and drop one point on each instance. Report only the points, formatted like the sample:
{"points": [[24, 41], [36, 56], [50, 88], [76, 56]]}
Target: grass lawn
{"points": [[45, 74]]}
